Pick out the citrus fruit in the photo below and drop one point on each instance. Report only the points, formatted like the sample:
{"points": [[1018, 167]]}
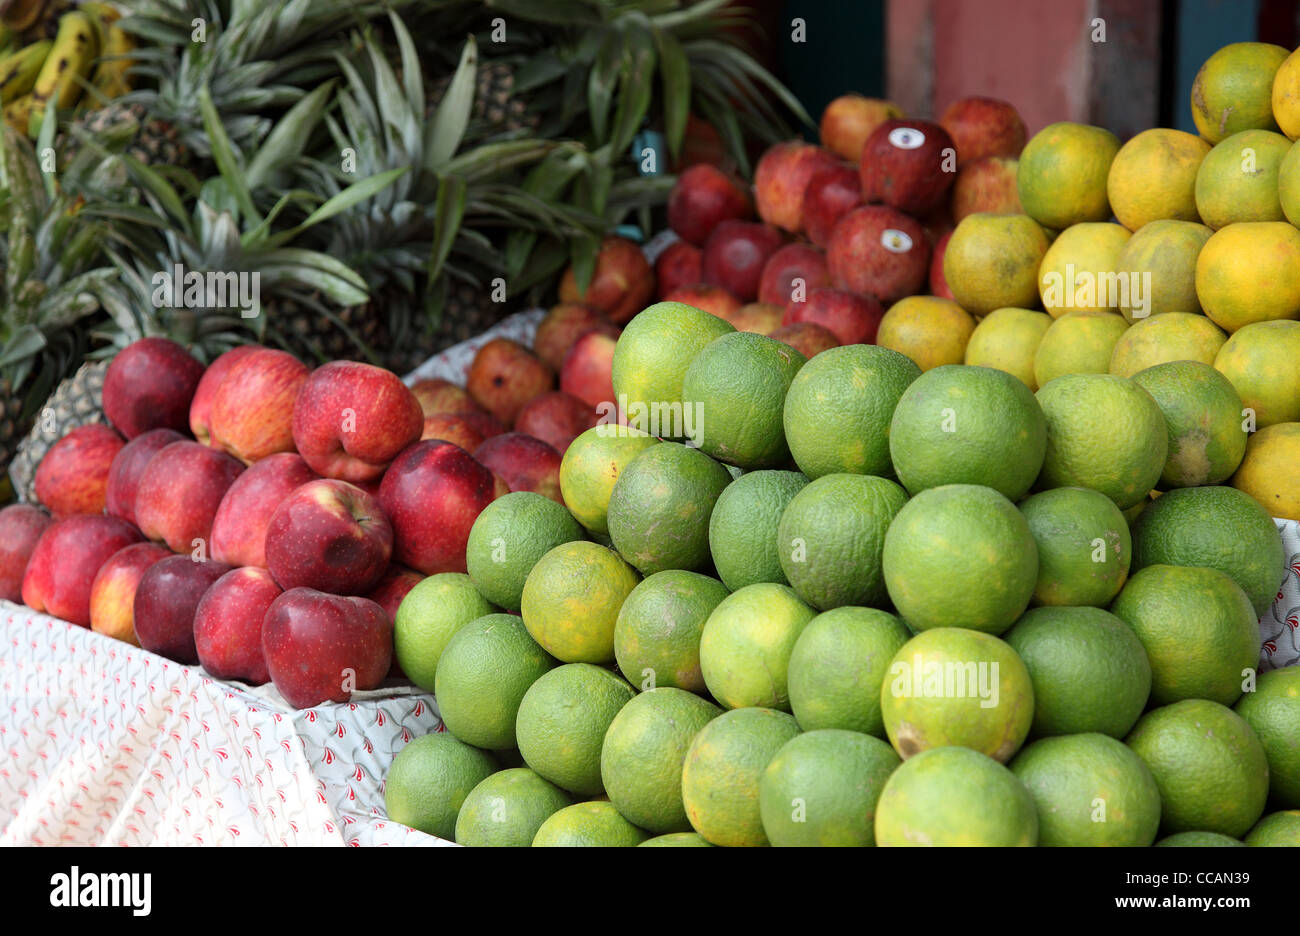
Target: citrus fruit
{"points": [[853, 390], [1088, 669], [1268, 474], [974, 541], [1208, 764], [953, 686], [1162, 256], [1063, 174], [737, 386], [653, 353], [1238, 181], [722, 771], [821, 788], [430, 778], [595, 824], [572, 598], [831, 535], [507, 809], [1279, 828], [1078, 273], [482, 677], [1084, 547], [1199, 840], [659, 509], [1103, 433], [968, 425], [1260, 361], [1273, 711], [591, 465], [1288, 185], [677, 840], [992, 261], [1250, 272], [1078, 343], [1234, 89], [1286, 96], [562, 722], [838, 665], [1153, 177], [746, 645], [657, 634], [1008, 339], [1171, 336], [1198, 628], [508, 538], [1203, 415], [1218, 528], [435, 609], [929, 330], [953, 796], [1090, 790], [743, 525], [641, 761]]}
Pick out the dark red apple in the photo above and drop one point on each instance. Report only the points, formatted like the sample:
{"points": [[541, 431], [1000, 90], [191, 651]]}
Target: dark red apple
{"points": [[436, 395], [128, 468], [679, 264], [555, 418], [452, 427], [734, 256], [703, 198], [715, 300], [853, 318], [331, 536], [877, 251], [504, 376], [986, 185], [524, 463], [808, 338], [150, 385], [72, 478], [61, 570], [228, 625], [165, 602], [21, 526], [622, 283], [252, 410], [239, 527], [938, 284], [178, 495], [792, 271], [588, 369], [909, 165], [780, 178], [201, 405], [983, 126], [561, 327], [112, 594], [830, 195]]}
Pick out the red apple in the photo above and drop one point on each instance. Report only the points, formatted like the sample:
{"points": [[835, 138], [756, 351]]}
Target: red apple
{"points": [[588, 369], [561, 327], [702, 143], [504, 376], [986, 185], [622, 283], [21, 526], [936, 224], [555, 418], [781, 177], [239, 527], [982, 126], [252, 411], [179, 493], [734, 256], [848, 120], [877, 251], [808, 338], [908, 165], [715, 300], [128, 468], [350, 420], [792, 270], [452, 427], [679, 264], [150, 385], [432, 493], [112, 594], [228, 625], [62, 567], [852, 317], [524, 463], [485, 424], [830, 195], [938, 284], [761, 318], [165, 603], [72, 478], [436, 395], [201, 405], [331, 536], [392, 588], [703, 197]]}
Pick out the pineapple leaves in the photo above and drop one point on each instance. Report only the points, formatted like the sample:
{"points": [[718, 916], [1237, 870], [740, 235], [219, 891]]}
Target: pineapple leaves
{"points": [[224, 156], [601, 81], [445, 131], [448, 212], [289, 137], [351, 196], [675, 71], [636, 80]]}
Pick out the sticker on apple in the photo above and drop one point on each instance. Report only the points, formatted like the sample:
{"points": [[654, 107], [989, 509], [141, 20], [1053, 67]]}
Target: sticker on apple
{"points": [[895, 241], [907, 138]]}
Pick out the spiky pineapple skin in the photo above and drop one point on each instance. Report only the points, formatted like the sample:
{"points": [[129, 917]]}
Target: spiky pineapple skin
{"points": [[77, 401]]}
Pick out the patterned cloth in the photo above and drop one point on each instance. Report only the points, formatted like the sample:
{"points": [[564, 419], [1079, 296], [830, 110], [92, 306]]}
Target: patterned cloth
{"points": [[1280, 625]]}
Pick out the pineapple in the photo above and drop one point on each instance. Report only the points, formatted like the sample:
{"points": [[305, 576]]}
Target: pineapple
{"points": [[77, 401]]}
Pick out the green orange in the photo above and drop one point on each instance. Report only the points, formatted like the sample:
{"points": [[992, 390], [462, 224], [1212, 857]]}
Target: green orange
{"points": [[746, 645], [657, 634], [743, 527], [572, 598], [1203, 415], [591, 465], [1063, 174]]}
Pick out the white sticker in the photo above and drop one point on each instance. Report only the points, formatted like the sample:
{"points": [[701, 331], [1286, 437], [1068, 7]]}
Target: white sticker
{"points": [[906, 137], [895, 240]]}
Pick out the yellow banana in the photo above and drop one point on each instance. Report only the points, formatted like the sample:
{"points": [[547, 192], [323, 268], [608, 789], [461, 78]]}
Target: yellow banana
{"points": [[19, 70], [68, 65], [112, 78], [18, 112]]}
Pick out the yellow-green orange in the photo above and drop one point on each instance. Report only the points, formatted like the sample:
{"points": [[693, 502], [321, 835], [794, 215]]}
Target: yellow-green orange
{"points": [[1078, 343], [1084, 547], [1008, 339], [722, 770], [821, 788], [1173, 336], [1203, 414], [992, 261], [641, 761], [1199, 840], [1272, 710], [1153, 177], [1089, 790], [428, 616], [743, 525], [507, 539], [1268, 472], [1162, 256], [1288, 185], [429, 780], [1208, 764], [1250, 272], [1063, 173], [1277, 829], [1233, 90], [572, 598], [968, 425], [595, 824], [1217, 528], [1238, 181], [657, 634], [1286, 95], [955, 797], [1078, 273], [591, 465], [654, 351], [954, 686], [677, 840], [853, 389], [507, 809], [1260, 361], [562, 722], [746, 645], [929, 330], [1103, 433], [970, 538], [838, 665], [1088, 669]]}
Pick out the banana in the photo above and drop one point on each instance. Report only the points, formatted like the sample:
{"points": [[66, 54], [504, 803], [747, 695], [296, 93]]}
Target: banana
{"points": [[18, 112], [18, 71], [112, 78], [68, 65]]}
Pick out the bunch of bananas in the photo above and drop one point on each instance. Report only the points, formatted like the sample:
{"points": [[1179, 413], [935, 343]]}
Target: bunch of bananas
{"points": [[72, 54]]}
